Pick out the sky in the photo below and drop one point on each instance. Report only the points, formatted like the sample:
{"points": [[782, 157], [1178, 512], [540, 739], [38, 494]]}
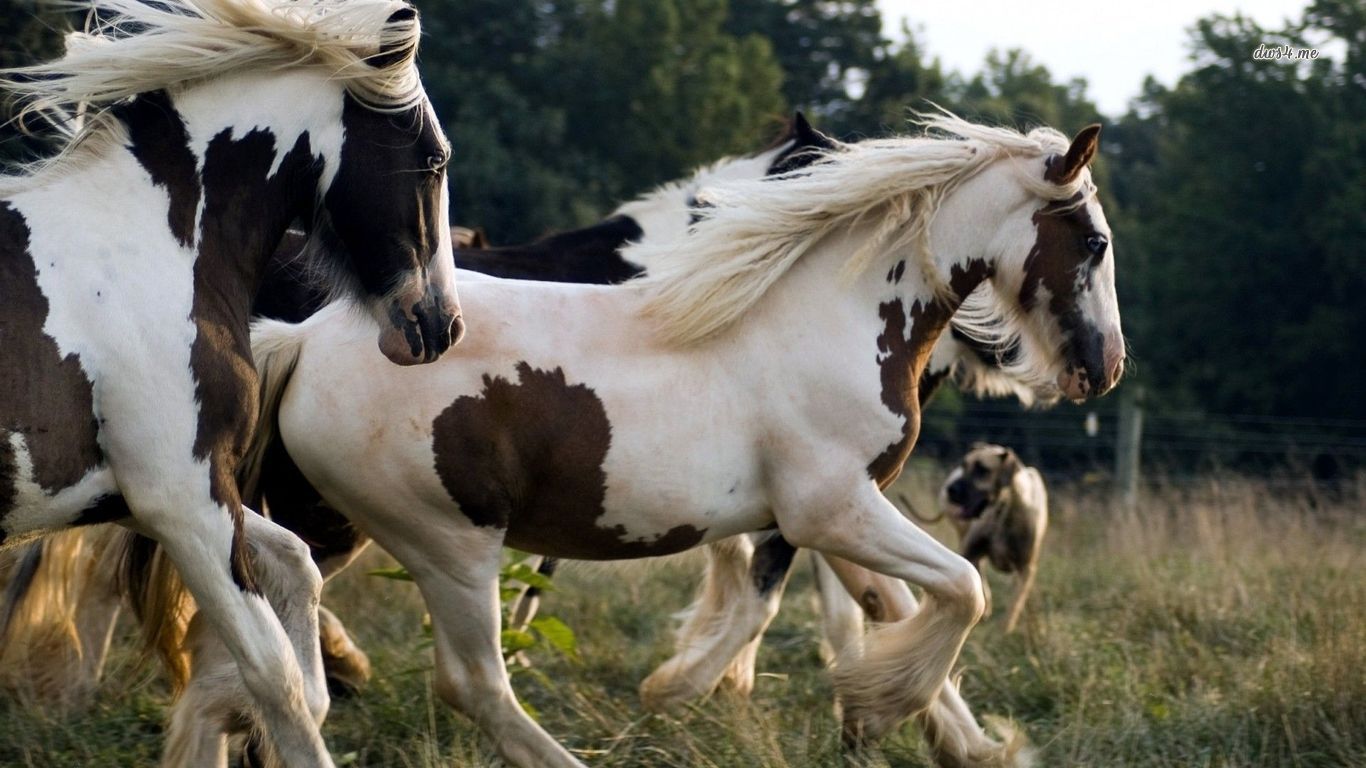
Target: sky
{"points": [[1114, 45]]}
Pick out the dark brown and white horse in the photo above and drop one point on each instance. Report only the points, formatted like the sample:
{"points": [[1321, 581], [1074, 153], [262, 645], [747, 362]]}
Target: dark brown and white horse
{"points": [[786, 335], [73, 617], [124, 351]]}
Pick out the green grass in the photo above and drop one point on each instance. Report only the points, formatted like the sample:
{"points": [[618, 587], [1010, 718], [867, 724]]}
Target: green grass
{"points": [[1218, 626]]}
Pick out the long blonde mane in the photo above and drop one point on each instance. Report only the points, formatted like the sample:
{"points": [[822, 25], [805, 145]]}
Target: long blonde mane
{"points": [[139, 46], [753, 232]]}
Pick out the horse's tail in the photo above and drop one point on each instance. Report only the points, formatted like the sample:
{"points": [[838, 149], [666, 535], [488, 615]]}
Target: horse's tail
{"points": [[160, 602], [911, 510], [39, 640], [275, 346], [21, 581]]}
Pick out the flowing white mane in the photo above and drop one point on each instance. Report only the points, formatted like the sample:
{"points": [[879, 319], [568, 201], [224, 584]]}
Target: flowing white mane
{"points": [[140, 46], [662, 212], [752, 232]]}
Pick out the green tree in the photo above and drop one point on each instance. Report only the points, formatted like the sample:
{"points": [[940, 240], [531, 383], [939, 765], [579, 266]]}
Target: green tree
{"points": [[1249, 241], [652, 88], [820, 44], [900, 80], [561, 110]]}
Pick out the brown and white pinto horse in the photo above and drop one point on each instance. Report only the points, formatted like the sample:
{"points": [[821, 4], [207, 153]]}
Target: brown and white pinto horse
{"points": [[124, 351], [67, 617], [791, 326]]}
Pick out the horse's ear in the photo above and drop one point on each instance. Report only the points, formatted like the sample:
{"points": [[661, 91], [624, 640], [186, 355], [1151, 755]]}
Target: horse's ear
{"points": [[1064, 170], [806, 136], [392, 53]]}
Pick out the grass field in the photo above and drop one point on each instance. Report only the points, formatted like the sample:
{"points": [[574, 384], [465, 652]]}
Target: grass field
{"points": [[1219, 625]]}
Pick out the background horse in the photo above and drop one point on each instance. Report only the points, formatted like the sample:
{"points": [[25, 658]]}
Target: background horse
{"points": [[125, 350], [766, 416]]}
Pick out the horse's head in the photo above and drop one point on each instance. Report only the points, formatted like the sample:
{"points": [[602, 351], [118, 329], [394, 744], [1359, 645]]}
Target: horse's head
{"points": [[1058, 263], [384, 216]]}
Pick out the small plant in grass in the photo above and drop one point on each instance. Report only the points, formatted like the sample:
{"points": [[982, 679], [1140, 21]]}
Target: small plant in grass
{"points": [[515, 577]]}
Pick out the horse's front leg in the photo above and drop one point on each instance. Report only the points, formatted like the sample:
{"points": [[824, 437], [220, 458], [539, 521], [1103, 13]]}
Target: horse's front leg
{"points": [[901, 668], [951, 730], [220, 697]]}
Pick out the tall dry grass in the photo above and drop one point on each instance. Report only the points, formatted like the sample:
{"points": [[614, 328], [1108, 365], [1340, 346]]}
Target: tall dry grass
{"points": [[1215, 624]]}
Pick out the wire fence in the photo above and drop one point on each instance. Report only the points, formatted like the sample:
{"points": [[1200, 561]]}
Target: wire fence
{"points": [[1071, 441]]}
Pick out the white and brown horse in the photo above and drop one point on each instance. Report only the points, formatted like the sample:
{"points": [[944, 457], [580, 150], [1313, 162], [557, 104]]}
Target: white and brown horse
{"points": [[787, 332], [56, 615], [124, 351]]}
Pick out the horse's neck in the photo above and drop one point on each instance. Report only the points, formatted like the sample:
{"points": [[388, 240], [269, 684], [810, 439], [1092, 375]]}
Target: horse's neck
{"points": [[235, 181], [891, 307]]}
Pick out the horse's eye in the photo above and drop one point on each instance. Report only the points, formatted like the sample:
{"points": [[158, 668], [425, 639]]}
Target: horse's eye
{"points": [[436, 162], [1096, 244]]}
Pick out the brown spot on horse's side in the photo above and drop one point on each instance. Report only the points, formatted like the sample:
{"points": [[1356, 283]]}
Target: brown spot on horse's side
{"points": [[528, 457], [45, 396]]}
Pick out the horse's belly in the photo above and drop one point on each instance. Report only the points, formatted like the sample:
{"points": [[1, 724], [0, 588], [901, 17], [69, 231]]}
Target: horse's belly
{"points": [[42, 490], [649, 530]]}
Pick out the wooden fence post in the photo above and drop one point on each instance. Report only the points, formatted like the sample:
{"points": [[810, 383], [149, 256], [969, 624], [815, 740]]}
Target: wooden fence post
{"points": [[1128, 446]]}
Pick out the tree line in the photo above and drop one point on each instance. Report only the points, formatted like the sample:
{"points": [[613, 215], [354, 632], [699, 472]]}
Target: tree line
{"points": [[1237, 195]]}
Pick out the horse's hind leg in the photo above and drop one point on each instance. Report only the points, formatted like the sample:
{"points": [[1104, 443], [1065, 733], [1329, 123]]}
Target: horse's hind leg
{"points": [[98, 606], [719, 641], [213, 704], [345, 665], [901, 667], [841, 615], [529, 601]]}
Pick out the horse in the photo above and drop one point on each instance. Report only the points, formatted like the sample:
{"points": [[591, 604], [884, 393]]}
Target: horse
{"points": [[74, 618], [209, 126], [776, 366], [591, 253]]}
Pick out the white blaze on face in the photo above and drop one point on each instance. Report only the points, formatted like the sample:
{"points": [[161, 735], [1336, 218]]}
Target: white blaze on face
{"points": [[1099, 304], [443, 262]]}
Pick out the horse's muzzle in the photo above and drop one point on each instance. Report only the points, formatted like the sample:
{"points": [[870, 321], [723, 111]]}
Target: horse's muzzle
{"points": [[422, 331], [1099, 366]]}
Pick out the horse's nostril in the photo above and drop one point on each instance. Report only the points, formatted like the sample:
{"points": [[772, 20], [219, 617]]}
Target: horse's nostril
{"points": [[457, 329]]}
